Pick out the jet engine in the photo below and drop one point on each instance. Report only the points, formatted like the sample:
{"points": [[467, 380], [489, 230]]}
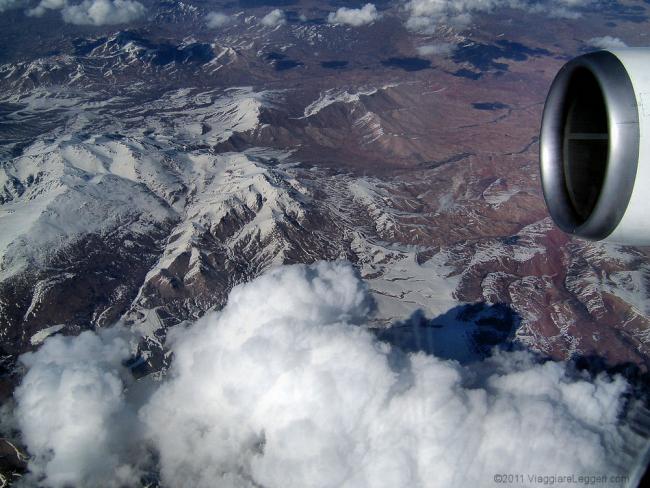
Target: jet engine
{"points": [[595, 146]]}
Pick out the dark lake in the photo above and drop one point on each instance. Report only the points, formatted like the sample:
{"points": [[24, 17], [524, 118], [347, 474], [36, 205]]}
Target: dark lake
{"points": [[483, 56], [334, 64], [465, 73], [285, 64], [490, 105]]}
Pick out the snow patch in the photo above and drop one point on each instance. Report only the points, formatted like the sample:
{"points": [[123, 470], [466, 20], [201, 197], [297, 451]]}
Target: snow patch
{"points": [[43, 334], [337, 95]]}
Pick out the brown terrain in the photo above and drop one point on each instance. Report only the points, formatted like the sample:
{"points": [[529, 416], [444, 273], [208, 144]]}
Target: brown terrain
{"points": [[446, 147]]}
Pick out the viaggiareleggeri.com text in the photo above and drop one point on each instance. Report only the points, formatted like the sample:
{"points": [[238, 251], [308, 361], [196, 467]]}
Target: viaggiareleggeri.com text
{"points": [[560, 480]]}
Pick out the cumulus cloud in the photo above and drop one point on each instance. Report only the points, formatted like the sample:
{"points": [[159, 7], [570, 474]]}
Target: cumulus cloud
{"points": [[11, 4], [46, 5], [285, 387], [425, 15], [606, 42], [71, 411], [215, 20], [437, 49], [274, 18], [354, 16], [92, 12], [103, 12]]}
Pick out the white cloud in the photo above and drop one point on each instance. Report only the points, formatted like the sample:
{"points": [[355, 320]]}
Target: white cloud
{"points": [[274, 18], [11, 4], [215, 20], [280, 389], [425, 15], [92, 12], [46, 5], [606, 42], [103, 12], [354, 16], [71, 410], [437, 49]]}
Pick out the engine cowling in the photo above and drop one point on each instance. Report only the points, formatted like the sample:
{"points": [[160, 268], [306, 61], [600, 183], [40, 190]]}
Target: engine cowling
{"points": [[595, 146]]}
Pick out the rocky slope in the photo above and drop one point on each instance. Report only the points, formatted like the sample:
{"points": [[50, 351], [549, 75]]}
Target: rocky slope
{"points": [[142, 176]]}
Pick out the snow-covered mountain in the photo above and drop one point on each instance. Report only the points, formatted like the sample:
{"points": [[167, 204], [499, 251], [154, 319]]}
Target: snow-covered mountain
{"points": [[142, 176], [147, 168]]}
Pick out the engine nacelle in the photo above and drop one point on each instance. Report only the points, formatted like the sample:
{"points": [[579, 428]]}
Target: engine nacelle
{"points": [[595, 146]]}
